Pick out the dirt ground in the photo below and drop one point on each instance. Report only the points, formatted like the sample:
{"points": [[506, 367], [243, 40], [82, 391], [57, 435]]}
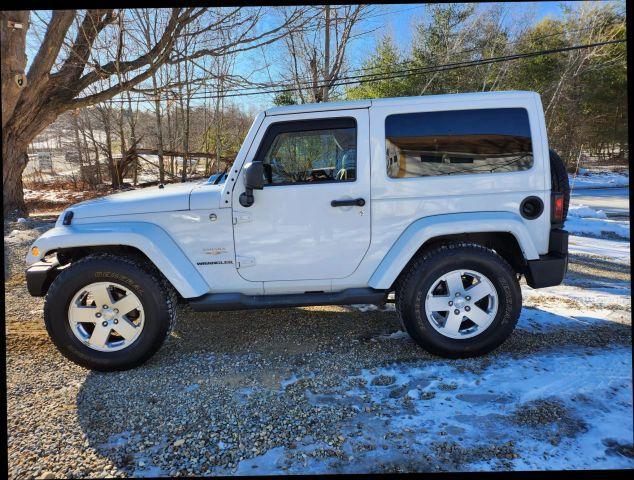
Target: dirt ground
{"points": [[331, 389]]}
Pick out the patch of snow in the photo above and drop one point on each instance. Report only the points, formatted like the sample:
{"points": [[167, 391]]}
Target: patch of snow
{"points": [[584, 211], [192, 388], [289, 381], [539, 320], [615, 250], [479, 410], [54, 196], [413, 393], [20, 236], [294, 378], [266, 464], [398, 335], [593, 298], [119, 440], [598, 227], [599, 180], [366, 307], [546, 318]]}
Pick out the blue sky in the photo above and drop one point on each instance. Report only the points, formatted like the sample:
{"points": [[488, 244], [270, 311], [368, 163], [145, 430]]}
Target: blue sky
{"points": [[397, 19]]}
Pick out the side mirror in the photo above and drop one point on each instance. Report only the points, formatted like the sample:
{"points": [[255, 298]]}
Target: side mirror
{"points": [[254, 175], [253, 180]]}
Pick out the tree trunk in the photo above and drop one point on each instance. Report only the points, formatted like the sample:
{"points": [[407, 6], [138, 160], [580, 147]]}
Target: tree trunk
{"points": [[95, 148], [159, 131], [170, 137], [14, 151], [16, 136], [217, 120], [111, 166], [121, 165], [14, 160]]}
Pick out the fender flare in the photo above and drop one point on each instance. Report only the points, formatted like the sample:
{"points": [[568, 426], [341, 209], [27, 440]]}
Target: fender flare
{"points": [[149, 238], [427, 228]]}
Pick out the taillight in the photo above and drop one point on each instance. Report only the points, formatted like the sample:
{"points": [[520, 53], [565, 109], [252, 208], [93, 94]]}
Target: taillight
{"points": [[557, 215]]}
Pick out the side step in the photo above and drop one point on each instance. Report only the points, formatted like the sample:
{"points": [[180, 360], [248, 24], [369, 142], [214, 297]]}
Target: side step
{"points": [[239, 301]]}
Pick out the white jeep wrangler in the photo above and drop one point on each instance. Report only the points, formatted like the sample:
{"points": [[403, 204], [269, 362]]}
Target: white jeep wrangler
{"points": [[444, 200]]}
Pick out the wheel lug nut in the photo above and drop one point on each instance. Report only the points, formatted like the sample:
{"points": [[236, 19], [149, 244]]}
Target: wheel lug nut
{"points": [[105, 307], [117, 311], [468, 298], [457, 294], [116, 321], [98, 315], [467, 308], [450, 304], [105, 324], [456, 311]]}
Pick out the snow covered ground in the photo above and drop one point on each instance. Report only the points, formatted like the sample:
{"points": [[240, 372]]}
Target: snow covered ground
{"points": [[586, 179], [600, 211], [549, 411], [613, 201], [566, 408]]}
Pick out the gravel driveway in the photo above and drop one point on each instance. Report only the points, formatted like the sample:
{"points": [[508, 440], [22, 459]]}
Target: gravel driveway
{"points": [[331, 389]]}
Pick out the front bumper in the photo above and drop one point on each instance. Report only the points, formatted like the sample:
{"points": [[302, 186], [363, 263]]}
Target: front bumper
{"points": [[550, 269], [39, 277]]}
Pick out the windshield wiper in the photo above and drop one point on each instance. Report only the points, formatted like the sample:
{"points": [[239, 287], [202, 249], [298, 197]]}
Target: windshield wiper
{"points": [[217, 180]]}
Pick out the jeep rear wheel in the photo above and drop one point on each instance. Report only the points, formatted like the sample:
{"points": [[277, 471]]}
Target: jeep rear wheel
{"points": [[109, 313], [459, 300]]}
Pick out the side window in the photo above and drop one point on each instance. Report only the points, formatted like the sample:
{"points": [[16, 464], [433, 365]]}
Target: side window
{"points": [[310, 151], [458, 142]]}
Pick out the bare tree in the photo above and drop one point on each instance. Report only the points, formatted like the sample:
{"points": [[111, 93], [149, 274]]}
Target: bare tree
{"points": [[318, 51], [69, 70]]}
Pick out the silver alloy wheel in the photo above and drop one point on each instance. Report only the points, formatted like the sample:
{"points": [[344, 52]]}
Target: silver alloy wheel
{"points": [[106, 316], [461, 304]]}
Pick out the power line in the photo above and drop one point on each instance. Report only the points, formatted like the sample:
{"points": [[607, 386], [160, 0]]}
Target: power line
{"points": [[307, 82], [415, 71], [510, 42]]}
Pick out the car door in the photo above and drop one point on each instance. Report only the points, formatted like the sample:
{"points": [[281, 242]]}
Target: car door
{"points": [[311, 220]]}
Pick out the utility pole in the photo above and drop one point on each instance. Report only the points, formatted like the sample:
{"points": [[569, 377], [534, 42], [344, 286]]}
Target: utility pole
{"points": [[326, 75]]}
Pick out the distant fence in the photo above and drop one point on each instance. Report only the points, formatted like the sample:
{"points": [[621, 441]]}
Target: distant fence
{"points": [[64, 169]]}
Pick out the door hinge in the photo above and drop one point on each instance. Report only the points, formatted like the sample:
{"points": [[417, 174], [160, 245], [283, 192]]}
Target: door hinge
{"points": [[243, 262], [241, 217]]}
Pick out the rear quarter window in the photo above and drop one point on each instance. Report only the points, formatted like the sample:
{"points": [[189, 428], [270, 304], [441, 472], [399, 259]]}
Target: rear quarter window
{"points": [[458, 142]]}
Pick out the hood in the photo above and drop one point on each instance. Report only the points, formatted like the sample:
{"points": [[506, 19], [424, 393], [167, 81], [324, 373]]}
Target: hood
{"points": [[144, 200]]}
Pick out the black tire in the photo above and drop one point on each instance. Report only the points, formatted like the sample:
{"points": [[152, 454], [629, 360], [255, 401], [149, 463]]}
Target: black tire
{"points": [[559, 179], [426, 269], [156, 295]]}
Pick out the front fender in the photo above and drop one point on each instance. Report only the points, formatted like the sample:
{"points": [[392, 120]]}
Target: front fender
{"points": [[149, 238], [427, 228]]}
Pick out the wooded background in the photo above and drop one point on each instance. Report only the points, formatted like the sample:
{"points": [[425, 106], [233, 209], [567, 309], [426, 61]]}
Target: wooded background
{"points": [[135, 95]]}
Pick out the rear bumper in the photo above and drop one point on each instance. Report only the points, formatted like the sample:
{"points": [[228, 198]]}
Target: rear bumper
{"points": [[550, 269], [39, 277]]}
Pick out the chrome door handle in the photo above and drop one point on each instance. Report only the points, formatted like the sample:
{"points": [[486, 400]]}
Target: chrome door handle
{"points": [[359, 202]]}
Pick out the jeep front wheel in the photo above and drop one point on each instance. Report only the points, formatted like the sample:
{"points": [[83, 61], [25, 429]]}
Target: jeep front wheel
{"points": [[459, 300], [109, 313]]}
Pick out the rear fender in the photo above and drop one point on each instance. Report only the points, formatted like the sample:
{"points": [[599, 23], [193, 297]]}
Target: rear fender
{"points": [[149, 238], [427, 228]]}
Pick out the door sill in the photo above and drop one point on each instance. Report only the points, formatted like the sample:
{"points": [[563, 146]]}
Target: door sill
{"points": [[239, 301]]}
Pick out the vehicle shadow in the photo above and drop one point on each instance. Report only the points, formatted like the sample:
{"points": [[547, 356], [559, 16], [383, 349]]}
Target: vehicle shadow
{"points": [[219, 359]]}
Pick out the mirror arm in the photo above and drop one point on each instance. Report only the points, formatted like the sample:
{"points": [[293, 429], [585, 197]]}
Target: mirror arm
{"points": [[246, 198]]}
